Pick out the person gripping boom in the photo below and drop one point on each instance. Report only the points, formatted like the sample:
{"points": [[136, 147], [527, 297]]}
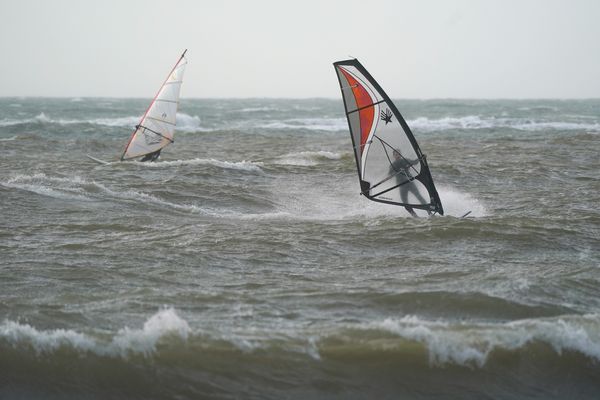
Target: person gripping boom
{"points": [[400, 168]]}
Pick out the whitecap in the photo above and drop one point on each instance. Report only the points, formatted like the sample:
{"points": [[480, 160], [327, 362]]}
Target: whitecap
{"points": [[127, 341], [476, 122], [307, 158], [251, 166], [319, 124], [467, 343]]}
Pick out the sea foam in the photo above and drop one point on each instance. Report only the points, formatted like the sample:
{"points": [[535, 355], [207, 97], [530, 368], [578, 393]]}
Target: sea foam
{"points": [[185, 122], [467, 343], [307, 158], [127, 341], [469, 122], [251, 166]]}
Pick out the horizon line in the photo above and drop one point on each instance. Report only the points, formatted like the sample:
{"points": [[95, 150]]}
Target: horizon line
{"points": [[302, 98]]}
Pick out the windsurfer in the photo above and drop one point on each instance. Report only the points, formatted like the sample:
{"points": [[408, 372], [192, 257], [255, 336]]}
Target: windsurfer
{"points": [[400, 168], [151, 156]]}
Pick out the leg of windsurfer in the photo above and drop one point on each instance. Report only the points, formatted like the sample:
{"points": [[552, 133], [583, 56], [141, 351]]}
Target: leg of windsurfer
{"points": [[151, 156], [400, 167], [404, 189]]}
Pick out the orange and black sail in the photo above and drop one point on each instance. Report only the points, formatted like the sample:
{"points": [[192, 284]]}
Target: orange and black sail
{"points": [[391, 167]]}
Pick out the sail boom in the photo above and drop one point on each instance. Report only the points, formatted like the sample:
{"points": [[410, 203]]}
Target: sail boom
{"points": [[157, 133]]}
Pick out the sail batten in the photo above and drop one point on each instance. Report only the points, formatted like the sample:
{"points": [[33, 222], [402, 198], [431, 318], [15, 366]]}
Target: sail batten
{"points": [[363, 107], [390, 165], [157, 126], [168, 101], [162, 121]]}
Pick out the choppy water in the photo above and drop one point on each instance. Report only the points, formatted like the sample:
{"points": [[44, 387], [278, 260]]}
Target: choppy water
{"points": [[244, 264]]}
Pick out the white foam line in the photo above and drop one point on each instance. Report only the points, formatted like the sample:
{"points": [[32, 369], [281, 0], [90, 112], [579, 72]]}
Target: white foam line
{"points": [[127, 341], [135, 195], [466, 343], [39, 183], [476, 122], [238, 165], [307, 158], [185, 122]]}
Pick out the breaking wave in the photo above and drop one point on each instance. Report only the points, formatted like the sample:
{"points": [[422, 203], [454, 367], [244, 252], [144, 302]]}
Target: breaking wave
{"points": [[317, 124], [476, 122], [461, 343], [251, 166], [126, 341], [471, 344], [307, 158]]}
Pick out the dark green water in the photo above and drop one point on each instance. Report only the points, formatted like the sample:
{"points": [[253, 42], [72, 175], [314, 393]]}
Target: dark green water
{"points": [[244, 264]]}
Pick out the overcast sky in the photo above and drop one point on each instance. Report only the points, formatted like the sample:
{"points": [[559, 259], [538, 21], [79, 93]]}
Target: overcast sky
{"points": [[279, 48]]}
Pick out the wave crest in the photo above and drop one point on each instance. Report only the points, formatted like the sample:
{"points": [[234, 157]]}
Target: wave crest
{"points": [[476, 122], [127, 341], [471, 344], [307, 158]]}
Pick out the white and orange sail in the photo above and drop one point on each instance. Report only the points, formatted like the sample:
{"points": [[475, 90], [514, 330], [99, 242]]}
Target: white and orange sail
{"points": [[156, 129], [391, 167]]}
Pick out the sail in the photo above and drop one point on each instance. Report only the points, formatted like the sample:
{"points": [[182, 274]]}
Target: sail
{"points": [[391, 167], [157, 126]]}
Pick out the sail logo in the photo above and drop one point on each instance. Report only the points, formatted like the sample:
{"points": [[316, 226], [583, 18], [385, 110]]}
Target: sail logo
{"points": [[386, 116]]}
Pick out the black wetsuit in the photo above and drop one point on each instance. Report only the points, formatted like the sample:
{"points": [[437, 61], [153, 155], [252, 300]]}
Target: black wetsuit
{"points": [[151, 156], [401, 169]]}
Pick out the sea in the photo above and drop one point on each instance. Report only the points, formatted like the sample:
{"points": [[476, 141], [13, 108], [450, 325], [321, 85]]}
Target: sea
{"points": [[245, 264]]}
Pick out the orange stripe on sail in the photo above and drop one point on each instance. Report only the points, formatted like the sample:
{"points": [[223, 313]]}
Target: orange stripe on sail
{"points": [[367, 114]]}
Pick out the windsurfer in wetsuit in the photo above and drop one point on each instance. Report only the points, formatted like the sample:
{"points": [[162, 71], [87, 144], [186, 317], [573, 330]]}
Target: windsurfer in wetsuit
{"points": [[400, 168], [151, 156]]}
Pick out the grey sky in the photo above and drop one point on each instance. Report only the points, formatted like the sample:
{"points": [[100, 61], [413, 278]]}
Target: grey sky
{"points": [[270, 48]]}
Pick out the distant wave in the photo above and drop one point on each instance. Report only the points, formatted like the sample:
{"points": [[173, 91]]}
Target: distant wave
{"points": [[185, 122], [9, 139], [252, 166], [476, 122], [189, 123], [307, 158], [257, 109], [470, 122], [319, 124]]}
